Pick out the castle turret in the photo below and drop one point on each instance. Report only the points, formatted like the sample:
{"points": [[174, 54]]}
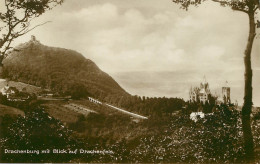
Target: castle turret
{"points": [[193, 95], [226, 94]]}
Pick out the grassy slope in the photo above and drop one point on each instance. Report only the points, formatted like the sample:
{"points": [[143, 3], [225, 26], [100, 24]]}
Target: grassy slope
{"points": [[108, 123], [6, 110], [61, 113], [57, 110], [20, 86]]}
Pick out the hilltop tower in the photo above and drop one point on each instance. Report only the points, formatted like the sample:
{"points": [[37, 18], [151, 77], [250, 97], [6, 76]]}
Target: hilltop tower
{"points": [[33, 38], [226, 94]]}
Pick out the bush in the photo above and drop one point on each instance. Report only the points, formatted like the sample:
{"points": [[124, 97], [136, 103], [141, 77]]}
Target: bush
{"points": [[36, 131], [215, 139]]}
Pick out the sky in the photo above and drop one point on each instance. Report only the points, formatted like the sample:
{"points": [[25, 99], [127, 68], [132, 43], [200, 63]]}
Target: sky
{"points": [[154, 48]]}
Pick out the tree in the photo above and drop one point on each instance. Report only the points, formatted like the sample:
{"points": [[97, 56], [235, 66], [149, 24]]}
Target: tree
{"points": [[16, 18], [250, 8]]}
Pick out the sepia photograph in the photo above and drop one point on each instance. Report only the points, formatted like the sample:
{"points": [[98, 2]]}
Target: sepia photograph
{"points": [[129, 81]]}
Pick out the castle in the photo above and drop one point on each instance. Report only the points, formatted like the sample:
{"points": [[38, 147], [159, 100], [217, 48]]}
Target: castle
{"points": [[34, 40], [202, 94], [226, 94]]}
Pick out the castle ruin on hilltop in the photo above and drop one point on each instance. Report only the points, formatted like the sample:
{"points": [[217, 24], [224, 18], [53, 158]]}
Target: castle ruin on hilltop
{"points": [[34, 40]]}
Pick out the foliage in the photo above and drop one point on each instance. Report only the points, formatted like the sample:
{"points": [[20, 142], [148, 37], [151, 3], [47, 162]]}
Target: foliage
{"points": [[149, 106], [256, 130], [24, 100], [78, 91], [3, 99], [215, 139], [36, 131], [200, 107], [16, 19], [171, 139], [238, 5]]}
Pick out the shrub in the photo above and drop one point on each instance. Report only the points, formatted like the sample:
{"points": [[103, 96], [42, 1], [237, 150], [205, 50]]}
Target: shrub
{"points": [[215, 139], [36, 131]]}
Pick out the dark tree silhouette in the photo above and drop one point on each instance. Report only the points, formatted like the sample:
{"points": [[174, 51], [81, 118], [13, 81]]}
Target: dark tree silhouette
{"points": [[250, 8], [16, 18]]}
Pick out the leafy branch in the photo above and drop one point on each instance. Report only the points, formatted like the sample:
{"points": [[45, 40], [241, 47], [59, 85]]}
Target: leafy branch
{"points": [[15, 20]]}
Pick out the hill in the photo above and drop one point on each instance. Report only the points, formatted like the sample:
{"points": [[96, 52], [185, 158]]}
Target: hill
{"points": [[64, 71]]}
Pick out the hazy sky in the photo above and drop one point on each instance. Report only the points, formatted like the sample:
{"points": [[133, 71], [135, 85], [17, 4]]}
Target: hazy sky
{"points": [[153, 48]]}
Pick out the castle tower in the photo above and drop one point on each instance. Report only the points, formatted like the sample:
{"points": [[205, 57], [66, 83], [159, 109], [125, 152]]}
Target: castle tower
{"points": [[33, 38], [193, 94], [204, 91], [226, 94], [204, 80]]}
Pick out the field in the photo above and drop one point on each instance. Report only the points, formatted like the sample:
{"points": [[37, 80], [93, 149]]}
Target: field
{"points": [[94, 120], [99, 108], [19, 85], [69, 111], [58, 111], [6, 110]]}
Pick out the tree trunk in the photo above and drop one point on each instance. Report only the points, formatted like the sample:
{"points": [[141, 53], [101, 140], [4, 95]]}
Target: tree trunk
{"points": [[247, 106], [1, 72]]}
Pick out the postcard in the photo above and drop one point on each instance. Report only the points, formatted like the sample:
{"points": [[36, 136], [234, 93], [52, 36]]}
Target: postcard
{"points": [[129, 81]]}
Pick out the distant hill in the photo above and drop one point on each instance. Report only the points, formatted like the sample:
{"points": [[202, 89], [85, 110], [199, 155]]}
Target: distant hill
{"points": [[61, 70]]}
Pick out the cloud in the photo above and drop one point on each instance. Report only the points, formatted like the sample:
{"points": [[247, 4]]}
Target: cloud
{"points": [[134, 39], [134, 35]]}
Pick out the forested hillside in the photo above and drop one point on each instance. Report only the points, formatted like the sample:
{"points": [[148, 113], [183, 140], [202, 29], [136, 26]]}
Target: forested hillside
{"points": [[61, 70]]}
